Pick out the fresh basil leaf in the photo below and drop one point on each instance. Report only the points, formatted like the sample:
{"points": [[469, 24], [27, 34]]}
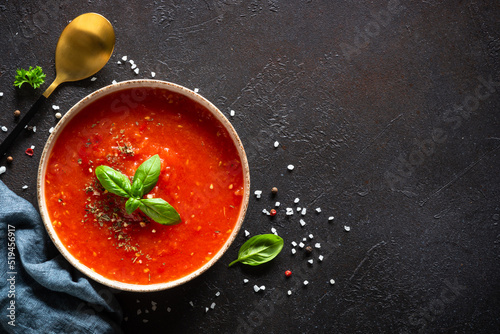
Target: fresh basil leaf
{"points": [[259, 249], [146, 175], [132, 204], [160, 211], [113, 181], [137, 189]]}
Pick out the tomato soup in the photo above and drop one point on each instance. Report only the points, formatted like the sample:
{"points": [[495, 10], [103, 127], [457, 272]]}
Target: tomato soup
{"points": [[201, 177]]}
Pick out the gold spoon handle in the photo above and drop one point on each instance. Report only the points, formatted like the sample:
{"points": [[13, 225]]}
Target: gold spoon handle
{"points": [[53, 86], [4, 146]]}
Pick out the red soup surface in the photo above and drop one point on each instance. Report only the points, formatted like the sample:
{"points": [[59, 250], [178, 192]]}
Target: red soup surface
{"points": [[201, 177]]}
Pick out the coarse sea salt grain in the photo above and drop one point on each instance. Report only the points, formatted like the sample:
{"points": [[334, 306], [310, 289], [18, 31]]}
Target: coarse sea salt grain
{"points": [[136, 71], [294, 251], [289, 292], [289, 211], [318, 210], [256, 288], [2, 169], [294, 244], [169, 309], [257, 193], [245, 281], [266, 212], [124, 58], [55, 107], [51, 130], [1, 94], [299, 209], [273, 230], [119, 62], [93, 79], [311, 236], [191, 303], [332, 281], [296, 200], [277, 204], [347, 228], [262, 287], [290, 167], [145, 321], [330, 218], [25, 187], [247, 233], [34, 129], [153, 74], [306, 282], [301, 245], [114, 82], [32, 147], [4, 128], [232, 113], [303, 212], [311, 261], [131, 61], [320, 258], [304, 239], [212, 306], [217, 294], [133, 66], [302, 223], [206, 309], [276, 144], [317, 245], [196, 90]]}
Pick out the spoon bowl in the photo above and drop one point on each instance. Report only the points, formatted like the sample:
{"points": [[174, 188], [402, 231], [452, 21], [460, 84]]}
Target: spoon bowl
{"points": [[85, 46]]}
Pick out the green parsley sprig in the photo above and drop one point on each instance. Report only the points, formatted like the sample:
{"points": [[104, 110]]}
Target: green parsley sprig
{"points": [[33, 76]]}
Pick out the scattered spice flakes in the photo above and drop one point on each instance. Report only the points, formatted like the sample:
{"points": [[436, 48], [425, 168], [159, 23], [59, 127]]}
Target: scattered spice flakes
{"points": [[29, 151]]}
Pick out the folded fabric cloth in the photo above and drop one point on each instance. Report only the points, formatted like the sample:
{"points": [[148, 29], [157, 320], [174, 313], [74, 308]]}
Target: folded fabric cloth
{"points": [[40, 292]]}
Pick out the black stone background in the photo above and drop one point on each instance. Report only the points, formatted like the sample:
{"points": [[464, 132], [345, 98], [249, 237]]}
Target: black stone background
{"points": [[381, 107]]}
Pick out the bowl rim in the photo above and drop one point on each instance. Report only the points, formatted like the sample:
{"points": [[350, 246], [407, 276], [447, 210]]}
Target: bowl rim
{"points": [[87, 100]]}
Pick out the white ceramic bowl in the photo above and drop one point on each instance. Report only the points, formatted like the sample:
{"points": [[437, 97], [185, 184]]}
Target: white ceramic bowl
{"points": [[90, 99]]}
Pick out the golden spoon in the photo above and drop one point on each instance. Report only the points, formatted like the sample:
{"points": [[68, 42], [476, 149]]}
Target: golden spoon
{"points": [[84, 47]]}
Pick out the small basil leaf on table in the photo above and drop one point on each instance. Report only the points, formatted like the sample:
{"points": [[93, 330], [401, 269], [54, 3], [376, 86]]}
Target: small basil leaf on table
{"points": [[146, 175], [259, 249], [160, 211], [113, 181], [132, 204]]}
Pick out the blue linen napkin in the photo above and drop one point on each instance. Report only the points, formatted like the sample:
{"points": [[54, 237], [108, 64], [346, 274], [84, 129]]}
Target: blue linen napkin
{"points": [[40, 292]]}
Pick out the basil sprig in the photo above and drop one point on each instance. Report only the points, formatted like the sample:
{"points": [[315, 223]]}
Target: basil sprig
{"points": [[145, 179], [259, 249]]}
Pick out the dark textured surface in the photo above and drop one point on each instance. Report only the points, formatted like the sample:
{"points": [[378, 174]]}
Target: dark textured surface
{"points": [[382, 108]]}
